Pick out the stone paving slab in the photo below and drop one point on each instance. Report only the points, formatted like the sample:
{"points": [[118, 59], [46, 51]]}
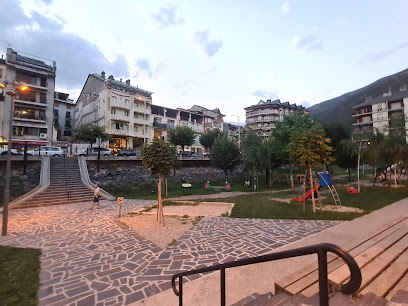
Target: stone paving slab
{"points": [[89, 259]]}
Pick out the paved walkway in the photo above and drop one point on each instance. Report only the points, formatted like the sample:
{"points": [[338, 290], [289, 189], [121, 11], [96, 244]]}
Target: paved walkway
{"points": [[89, 259]]}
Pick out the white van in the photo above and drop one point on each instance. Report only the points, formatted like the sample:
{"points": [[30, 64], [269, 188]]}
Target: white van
{"points": [[46, 150]]}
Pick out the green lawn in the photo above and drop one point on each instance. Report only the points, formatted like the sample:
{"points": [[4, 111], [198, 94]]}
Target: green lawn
{"points": [[19, 276], [260, 205], [149, 191]]}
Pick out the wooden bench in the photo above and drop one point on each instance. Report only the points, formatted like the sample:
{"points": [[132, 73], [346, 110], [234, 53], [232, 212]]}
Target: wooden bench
{"points": [[383, 260]]}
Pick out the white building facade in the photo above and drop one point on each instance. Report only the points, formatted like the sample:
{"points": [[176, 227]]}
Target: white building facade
{"points": [[123, 109]]}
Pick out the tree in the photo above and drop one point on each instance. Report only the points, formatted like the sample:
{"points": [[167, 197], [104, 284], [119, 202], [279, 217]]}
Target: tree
{"points": [[181, 136], [271, 159], [160, 158], [89, 133], [253, 153], [310, 147], [225, 154], [207, 139], [347, 153], [296, 122]]}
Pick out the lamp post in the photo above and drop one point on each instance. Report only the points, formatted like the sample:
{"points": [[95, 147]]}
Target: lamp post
{"points": [[11, 91], [239, 131]]}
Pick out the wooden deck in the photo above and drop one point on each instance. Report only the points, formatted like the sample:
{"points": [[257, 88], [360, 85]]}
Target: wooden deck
{"points": [[383, 261]]}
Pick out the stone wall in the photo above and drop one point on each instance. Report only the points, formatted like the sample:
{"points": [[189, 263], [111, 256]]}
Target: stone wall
{"points": [[139, 175], [19, 183]]}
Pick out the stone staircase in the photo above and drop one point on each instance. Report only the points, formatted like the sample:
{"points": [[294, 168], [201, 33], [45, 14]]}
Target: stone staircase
{"points": [[66, 186]]}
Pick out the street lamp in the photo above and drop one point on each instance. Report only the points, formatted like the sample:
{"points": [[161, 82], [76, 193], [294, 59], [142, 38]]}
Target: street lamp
{"points": [[11, 90], [239, 131]]}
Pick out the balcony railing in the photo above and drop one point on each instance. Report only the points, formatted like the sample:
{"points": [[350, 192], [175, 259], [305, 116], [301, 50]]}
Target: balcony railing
{"points": [[120, 117], [118, 104], [159, 125]]}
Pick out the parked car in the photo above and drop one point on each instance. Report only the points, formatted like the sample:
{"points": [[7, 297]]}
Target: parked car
{"points": [[94, 152], [127, 152], [4, 152], [46, 150]]}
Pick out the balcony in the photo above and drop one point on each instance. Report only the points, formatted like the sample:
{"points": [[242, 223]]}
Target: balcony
{"points": [[160, 125], [122, 105], [124, 133], [141, 121], [120, 118], [33, 103]]}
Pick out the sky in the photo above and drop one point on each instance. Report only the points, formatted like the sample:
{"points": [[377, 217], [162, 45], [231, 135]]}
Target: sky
{"points": [[225, 54]]}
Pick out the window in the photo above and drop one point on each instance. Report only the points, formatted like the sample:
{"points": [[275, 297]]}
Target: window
{"points": [[1, 73], [67, 133], [114, 99], [126, 101], [43, 81], [135, 104], [56, 113], [135, 129], [135, 115], [126, 113], [113, 111], [68, 115], [43, 98], [68, 124], [56, 124]]}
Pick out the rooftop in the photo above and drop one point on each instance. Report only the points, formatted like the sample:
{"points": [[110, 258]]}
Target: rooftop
{"points": [[121, 85], [380, 99], [275, 102]]}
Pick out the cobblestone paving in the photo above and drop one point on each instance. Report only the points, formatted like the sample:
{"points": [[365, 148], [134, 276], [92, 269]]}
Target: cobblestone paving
{"points": [[88, 259]]}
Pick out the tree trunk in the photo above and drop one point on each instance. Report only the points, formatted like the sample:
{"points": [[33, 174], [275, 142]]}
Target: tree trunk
{"points": [[304, 192], [159, 202], [266, 176], [291, 176], [395, 176], [311, 187], [166, 187], [254, 181], [226, 174], [349, 173]]}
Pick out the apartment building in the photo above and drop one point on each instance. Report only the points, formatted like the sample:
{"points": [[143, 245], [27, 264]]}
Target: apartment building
{"points": [[213, 119], [64, 109], [33, 108], [122, 108], [374, 114], [263, 116], [165, 118]]}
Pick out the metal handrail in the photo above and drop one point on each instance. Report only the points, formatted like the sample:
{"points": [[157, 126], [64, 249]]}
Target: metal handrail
{"points": [[320, 249], [66, 175]]}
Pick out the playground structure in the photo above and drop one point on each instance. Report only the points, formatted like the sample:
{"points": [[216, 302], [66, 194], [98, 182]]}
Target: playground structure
{"points": [[324, 181]]}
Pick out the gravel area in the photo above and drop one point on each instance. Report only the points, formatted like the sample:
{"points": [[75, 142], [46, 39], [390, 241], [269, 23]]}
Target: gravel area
{"points": [[163, 236]]}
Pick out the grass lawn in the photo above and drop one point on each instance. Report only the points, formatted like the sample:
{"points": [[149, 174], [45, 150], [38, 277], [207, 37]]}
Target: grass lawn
{"points": [[260, 205], [19, 276], [149, 191]]}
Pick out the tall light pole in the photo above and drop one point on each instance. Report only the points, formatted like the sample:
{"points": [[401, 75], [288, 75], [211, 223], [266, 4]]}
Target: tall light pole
{"points": [[239, 131], [10, 89]]}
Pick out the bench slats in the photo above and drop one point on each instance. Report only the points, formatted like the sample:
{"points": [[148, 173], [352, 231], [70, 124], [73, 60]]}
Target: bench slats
{"points": [[402, 285], [389, 278], [340, 275], [306, 279]]}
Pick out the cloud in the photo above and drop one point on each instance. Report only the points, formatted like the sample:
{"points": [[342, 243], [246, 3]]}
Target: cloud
{"points": [[306, 43], [146, 68], [167, 16], [306, 104], [210, 46], [285, 7], [376, 56], [265, 94], [47, 2], [75, 57]]}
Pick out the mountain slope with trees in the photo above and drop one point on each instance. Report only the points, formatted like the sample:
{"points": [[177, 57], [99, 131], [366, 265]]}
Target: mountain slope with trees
{"points": [[340, 108]]}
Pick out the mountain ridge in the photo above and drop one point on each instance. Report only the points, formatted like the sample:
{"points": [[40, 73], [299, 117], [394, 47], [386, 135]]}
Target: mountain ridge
{"points": [[340, 108]]}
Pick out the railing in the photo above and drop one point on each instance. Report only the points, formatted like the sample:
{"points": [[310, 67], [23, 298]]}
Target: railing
{"points": [[66, 174], [320, 249]]}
